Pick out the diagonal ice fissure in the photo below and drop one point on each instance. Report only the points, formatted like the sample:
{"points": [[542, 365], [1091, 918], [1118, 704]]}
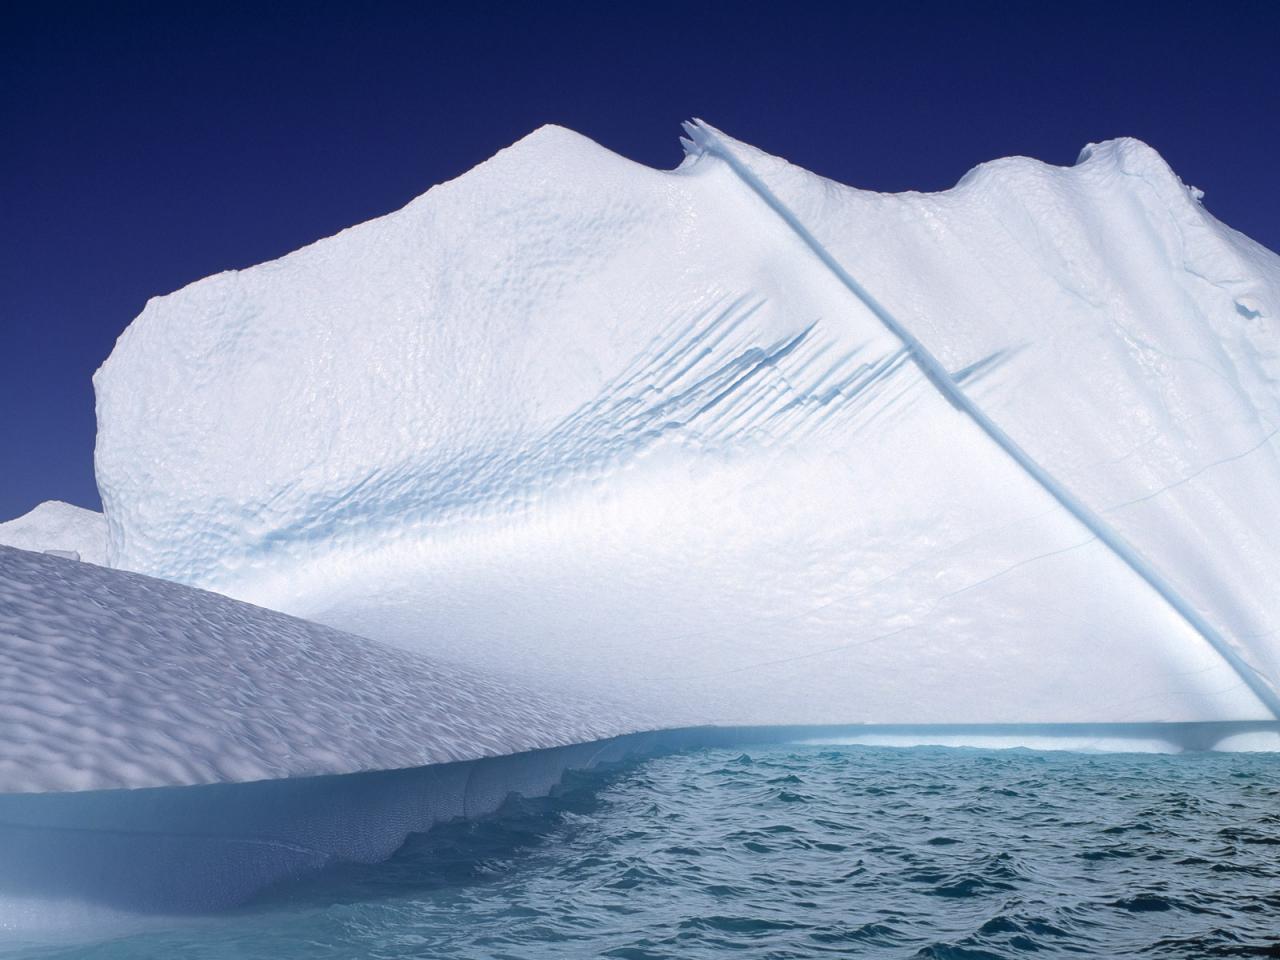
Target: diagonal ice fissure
{"points": [[705, 140]]}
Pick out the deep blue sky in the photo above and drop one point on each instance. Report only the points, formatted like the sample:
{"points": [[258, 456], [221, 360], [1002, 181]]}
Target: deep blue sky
{"points": [[143, 146]]}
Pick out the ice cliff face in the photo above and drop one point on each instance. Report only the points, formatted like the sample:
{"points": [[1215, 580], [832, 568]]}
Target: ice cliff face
{"points": [[789, 451]]}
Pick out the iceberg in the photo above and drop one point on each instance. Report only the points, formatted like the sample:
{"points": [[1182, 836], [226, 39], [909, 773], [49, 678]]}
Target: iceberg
{"points": [[572, 459], [61, 528], [736, 436]]}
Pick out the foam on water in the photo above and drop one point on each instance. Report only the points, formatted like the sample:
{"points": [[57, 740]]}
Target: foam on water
{"points": [[789, 851]]}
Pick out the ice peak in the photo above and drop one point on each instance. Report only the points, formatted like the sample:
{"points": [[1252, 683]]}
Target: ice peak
{"points": [[1131, 157], [52, 508], [56, 525], [1124, 152], [552, 150], [551, 137]]}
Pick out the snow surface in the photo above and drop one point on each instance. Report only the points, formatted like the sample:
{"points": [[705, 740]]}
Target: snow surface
{"points": [[738, 437], [113, 679], [1154, 324], [54, 525]]}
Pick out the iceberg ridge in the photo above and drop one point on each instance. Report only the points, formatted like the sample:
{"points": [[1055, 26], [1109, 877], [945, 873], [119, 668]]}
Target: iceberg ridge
{"points": [[622, 431]]}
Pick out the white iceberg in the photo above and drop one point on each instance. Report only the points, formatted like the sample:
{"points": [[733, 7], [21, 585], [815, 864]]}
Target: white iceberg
{"points": [[62, 528], [740, 437], [614, 456]]}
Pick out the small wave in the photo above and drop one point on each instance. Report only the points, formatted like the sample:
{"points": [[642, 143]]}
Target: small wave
{"points": [[949, 855]]}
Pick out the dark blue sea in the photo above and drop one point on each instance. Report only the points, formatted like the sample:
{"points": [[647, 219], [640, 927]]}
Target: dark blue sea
{"points": [[789, 851]]}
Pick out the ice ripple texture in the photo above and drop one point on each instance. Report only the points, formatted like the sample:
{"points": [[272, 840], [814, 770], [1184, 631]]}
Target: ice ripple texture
{"points": [[812, 851], [111, 679]]}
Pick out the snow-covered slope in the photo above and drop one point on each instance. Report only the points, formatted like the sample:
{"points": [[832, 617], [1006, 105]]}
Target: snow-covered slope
{"points": [[113, 679], [792, 452], [1124, 339], [54, 525]]}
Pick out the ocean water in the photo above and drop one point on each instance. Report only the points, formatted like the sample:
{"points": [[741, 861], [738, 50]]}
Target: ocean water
{"points": [[795, 851]]}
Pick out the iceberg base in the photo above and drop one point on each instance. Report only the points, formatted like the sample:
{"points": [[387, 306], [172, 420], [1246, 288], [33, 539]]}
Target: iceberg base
{"points": [[76, 859]]}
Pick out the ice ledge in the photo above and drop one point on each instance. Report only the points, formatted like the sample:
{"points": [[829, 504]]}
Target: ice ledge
{"points": [[122, 680], [81, 858]]}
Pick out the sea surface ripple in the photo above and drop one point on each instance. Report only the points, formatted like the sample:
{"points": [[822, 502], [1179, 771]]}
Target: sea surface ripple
{"points": [[799, 851]]}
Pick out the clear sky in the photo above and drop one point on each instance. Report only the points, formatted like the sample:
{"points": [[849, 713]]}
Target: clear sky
{"points": [[143, 146]]}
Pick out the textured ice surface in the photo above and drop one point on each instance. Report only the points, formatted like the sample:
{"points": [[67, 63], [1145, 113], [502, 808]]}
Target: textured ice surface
{"points": [[1124, 338], [54, 525], [113, 679], [789, 451]]}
